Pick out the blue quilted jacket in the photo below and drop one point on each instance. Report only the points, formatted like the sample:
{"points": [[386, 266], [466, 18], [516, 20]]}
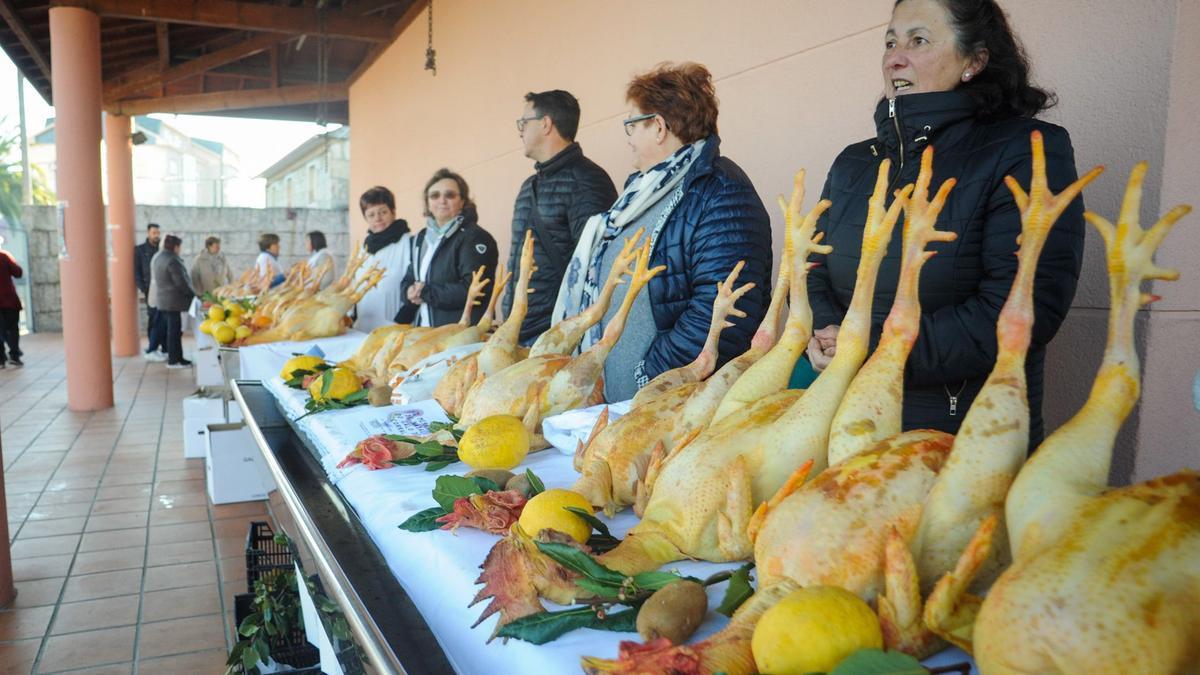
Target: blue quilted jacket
{"points": [[719, 221]]}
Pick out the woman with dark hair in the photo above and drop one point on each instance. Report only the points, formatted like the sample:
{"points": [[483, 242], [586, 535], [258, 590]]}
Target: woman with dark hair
{"points": [[703, 215], [387, 247], [174, 296], [444, 255], [319, 255], [956, 78], [267, 262]]}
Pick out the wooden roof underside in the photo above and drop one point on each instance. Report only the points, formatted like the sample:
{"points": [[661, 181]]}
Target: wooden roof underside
{"points": [[227, 57]]}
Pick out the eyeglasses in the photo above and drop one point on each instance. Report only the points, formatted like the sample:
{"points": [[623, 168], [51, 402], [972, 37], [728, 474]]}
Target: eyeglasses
{"points": [[522, 120], [448, 194], [634, 120]]}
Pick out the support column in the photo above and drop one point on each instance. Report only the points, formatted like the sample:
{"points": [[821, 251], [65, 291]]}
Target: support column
{"points": [[7, 591], [75, 53], [122, 228]]}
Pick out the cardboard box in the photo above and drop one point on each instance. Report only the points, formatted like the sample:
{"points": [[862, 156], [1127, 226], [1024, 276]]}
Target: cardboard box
{"points": [[235, 470], [199, 412], [208, 367]]}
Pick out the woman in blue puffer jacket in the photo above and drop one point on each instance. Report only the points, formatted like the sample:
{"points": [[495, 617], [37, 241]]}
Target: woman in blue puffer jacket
{"points": [[702, 215]]}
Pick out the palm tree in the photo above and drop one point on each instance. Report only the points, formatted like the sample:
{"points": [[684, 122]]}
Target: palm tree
{"points": [[11, 180]]}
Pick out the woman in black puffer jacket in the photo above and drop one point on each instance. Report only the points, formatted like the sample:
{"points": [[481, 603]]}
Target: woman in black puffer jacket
{"points": [[955, 78]]}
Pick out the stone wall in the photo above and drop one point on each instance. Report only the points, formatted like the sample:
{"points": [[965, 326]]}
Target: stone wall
{"points": [[238, 229]]}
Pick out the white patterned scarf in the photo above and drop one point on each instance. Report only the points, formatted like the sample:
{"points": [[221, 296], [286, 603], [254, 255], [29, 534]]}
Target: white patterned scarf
{"points": [[584, 277]]}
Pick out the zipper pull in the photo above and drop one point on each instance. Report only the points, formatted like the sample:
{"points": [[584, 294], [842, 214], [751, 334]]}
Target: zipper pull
{"points": [[891, 107], [953, 405]]}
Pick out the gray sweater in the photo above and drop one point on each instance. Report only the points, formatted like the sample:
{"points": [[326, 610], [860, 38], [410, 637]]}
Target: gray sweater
{"points": [[172, 290]]}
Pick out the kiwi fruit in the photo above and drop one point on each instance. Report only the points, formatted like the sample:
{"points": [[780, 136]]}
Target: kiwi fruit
{"points": [[380, 396], [675, 611], [498, 476], [520, 483]]}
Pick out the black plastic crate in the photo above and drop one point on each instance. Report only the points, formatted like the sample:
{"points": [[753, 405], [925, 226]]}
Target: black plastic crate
{"points": [[292, 649], [263, 555]]}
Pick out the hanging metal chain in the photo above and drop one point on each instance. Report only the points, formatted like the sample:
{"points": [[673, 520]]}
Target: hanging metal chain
{"points": [[430, 54]]}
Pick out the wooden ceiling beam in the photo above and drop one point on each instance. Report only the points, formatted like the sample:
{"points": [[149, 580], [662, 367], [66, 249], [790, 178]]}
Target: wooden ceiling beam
{"points": [[150, 75], [21, 29], [414, 10], [241, 16], [232, 100]]}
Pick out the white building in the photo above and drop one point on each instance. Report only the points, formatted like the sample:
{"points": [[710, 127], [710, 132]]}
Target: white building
{"points": [[315, 175]]}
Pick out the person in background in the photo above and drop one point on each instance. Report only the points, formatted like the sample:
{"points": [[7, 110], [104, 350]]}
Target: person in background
{"points": [[954, 77], [555, 202], [210, 269], [267, 262], [703, 214], [10, 308], [318, 255], [143, 253], [445, 254], [387, 248], [174, 296]]}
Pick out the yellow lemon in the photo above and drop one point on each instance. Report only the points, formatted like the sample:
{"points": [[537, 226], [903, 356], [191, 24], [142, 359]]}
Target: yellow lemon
{"points": [[813, 630], [342, 383], [234, 320], [223, 332], [206, 326], [242, 332], [302, 362], [547, 511], [496, 442], [216, 313], [234, 309]]}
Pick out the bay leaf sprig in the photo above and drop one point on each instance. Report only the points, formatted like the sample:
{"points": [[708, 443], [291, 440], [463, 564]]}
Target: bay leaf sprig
{"points": [[447, 490], [313, 406], [739, 590], [546, 627], [431, 453]]}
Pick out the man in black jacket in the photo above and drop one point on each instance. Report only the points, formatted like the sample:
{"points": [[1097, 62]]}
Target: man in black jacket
{"points": [[555, 202], [143, 253]]}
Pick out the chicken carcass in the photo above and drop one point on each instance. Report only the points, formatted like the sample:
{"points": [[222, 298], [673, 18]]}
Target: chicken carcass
{"points": [[321, 316], [1103, 580]]}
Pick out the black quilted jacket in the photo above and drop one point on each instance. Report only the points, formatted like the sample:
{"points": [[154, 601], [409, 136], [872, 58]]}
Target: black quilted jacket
{"points": [[570, 189], [962, 288], [719, 221], [449, 278]]}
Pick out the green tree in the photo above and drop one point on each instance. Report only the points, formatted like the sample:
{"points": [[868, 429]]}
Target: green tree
{"points": [[11, 178]]}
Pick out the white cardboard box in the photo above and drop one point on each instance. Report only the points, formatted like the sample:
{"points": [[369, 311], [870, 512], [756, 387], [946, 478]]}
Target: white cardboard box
{"points": [[199, 412], [234, 468], [208, 367]]}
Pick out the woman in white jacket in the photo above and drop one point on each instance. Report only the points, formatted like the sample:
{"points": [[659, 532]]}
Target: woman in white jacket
{"points": [[318, 254], [387, 247]]}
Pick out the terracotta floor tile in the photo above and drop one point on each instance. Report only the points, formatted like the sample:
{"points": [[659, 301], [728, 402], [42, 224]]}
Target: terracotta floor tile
{"points": [[79, 650], [115, 669], [38, 593], [165, 501], [68, 496], [30, 622], [51, 511], [179, 514], [241, 509], [127, 505], [109, 561], [207, 662], [116, 521], [180, 576], [232, 569], [132, 478], [54, 527], [231, 547], [235, 527], [180, 486], [181, 636], [123, 491], [91, 470], [183, 552], [179, 603], [42, 567], [18, 657], [37, 546], [74, 617], [73, 483], [110, 539], [14, 487], [172, 534], [102, 585], [188, 474]]}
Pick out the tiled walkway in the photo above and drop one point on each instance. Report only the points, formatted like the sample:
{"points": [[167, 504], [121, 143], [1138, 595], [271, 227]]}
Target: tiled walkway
{"points": [[121, 563]]}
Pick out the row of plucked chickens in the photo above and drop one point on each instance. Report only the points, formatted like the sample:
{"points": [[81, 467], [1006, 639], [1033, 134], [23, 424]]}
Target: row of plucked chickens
{"points": [[821, 487]]}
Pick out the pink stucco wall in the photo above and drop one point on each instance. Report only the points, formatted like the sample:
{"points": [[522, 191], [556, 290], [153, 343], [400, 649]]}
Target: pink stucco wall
{"points": [[798, 80]]}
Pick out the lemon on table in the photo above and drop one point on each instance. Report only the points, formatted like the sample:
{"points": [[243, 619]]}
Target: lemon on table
{"points": [[216, 313], [548, 511], [206, 326], [233, 320], [234, 308], [223, 332], [242, 332], [301, 362], [813, 630], [496, 442], [342, 383]]}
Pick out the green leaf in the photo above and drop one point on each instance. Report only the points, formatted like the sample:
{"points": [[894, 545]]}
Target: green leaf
{"points": [[360, 395], [424, 521], [429, 448], [878, 662], [546, 627], [447, 489], [263, 651], [341, 630], [486, 484], [326, 383], [281, 539], [250, 661], [578, 561], [597, 524], [652, 581], [440, 464], [250, 625], [535, 484], [738, 592]]}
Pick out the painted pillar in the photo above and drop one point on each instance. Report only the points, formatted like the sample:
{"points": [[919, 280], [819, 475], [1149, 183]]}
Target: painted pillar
{"points": [[7, 591], [122, 227], [75, 53]]}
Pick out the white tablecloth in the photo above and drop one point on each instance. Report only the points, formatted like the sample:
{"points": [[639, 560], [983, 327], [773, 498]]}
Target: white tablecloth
{"points": [[438, 569], [263, 362]]}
